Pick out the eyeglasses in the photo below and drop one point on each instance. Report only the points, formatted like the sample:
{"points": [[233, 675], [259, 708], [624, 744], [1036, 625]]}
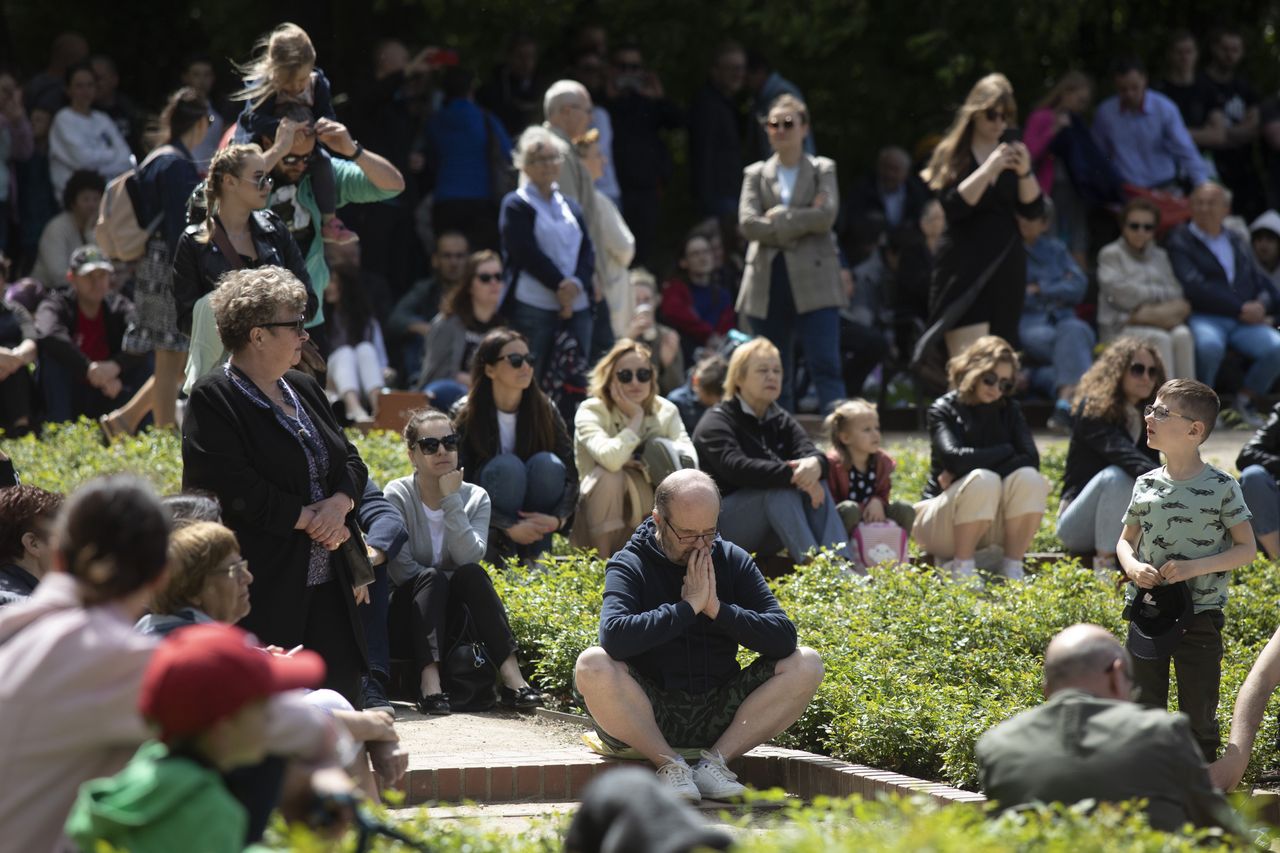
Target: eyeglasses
{"points": [[786, 123], [488, 277], [625, 375], [430, 445], [1140, 370], [516, 359], [1162, 413], [995, 114], [295, 159], [298, 326], [238, 569], [686, 538], [991, 380], [1140, 226], [259, 183]]}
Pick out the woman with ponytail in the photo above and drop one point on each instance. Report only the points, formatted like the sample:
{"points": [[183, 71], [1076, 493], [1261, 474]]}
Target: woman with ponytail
{"points": [[237, 232]]}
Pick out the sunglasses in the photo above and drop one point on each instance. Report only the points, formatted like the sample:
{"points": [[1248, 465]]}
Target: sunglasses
{"points": [[625, 375], [1162, 413], [261, 183], [786, 122], [1140, 370], [298, 326], [516, 359], [432, 445], [995, 114], [1140, 226], [488, 277], [991, 380], [295, 159]]}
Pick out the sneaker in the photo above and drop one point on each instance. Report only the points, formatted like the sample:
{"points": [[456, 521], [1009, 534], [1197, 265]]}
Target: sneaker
{"points": [[715, 780], [1246, 411], [375, 696], [1060, 420], [435, 704], [1013, 569], [961, 569], [335, 232], [678, 776]]}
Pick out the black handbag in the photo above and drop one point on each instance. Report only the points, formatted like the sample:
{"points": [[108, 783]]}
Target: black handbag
{"points": [[355, 551], [469, 673]]}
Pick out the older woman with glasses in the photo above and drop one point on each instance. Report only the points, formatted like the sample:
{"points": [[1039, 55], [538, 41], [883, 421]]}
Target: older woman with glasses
{"points": [[985, 487], [208, 581], [262, 438], [610, 433], [548, 253], [439, 582], [1138, 294]]}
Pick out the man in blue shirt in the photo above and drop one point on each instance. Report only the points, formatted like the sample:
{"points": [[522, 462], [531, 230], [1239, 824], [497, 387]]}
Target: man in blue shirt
{"points": [[1143, 134]]}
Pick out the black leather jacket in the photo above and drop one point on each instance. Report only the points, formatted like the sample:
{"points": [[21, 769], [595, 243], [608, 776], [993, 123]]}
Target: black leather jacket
{"points": [[1097, 444], [1264, 448], [956, 447], [198, 264]]}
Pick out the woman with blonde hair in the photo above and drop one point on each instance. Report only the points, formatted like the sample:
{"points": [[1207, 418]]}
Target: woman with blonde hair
{"points": [[611, 431], [769, 472], [984, 487], [983, 179]]}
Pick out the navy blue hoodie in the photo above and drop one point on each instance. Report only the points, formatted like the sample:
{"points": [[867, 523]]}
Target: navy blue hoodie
{"points": [[646, 622]]}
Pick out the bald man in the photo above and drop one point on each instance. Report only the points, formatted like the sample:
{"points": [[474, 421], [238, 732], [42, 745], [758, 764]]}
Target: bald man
{"points": [[1090, 741], [678, 602]]}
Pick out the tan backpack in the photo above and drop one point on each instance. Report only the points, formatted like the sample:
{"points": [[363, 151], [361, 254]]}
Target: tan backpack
{"points": [[119, 231]]}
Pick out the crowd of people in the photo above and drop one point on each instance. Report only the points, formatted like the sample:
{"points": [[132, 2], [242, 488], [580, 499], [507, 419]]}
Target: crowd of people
{"points": [[250, 279]]}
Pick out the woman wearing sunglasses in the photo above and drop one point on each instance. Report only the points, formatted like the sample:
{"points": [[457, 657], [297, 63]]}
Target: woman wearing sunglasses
{"points": [[985, 488], [1139, 295], [983, 181], [610, 430], [470, 313], [438, 570], [1108, 449], [514, 445]]}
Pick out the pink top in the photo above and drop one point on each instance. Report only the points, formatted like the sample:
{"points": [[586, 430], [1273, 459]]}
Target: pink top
{"points": [[1038, 136]]}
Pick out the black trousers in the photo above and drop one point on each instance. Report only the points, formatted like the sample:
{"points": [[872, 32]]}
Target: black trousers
{"points": [[1198, 662], [328, 631], [427, 611]]}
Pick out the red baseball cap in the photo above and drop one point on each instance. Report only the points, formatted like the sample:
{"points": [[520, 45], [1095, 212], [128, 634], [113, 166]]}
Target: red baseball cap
{"points": [[205, 673]]}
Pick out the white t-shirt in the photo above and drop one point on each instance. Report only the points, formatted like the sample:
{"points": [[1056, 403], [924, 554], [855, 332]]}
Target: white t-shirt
{"points": [[506, 432], [90, 142], [435, 523], [787, 182]]}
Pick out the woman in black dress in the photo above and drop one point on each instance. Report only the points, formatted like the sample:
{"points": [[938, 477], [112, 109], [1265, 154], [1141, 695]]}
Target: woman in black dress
{"points": [[983, 178]]}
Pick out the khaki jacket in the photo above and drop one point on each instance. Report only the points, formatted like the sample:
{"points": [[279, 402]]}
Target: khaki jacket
{"points": [[802, 233]]}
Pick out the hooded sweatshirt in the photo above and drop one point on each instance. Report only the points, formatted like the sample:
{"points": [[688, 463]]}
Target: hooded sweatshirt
{"points": [[647, 623], [160, 802]]}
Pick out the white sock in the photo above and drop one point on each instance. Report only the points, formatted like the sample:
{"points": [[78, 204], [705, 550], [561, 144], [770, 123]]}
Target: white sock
{"points": [[1012, 569], [963, 568]]}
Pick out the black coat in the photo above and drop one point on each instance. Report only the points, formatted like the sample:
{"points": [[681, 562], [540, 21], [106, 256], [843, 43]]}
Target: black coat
{"points": [[1097, 444], [741, 451], [958, 444], [239, 452], [198, 264], [1264, 447]]}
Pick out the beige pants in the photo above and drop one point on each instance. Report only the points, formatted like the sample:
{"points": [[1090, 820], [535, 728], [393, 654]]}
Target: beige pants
{"points": [[1176, 347], [611, 502], [978, 496], [959, 338]]}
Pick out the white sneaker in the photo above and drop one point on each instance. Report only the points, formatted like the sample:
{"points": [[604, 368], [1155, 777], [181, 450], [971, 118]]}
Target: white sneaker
{"points": [[715, 780], [678, 776], [961, 569]]}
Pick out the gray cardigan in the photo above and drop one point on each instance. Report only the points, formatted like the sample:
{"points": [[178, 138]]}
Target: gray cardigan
{"points": [[445, 346], [466, 529]]}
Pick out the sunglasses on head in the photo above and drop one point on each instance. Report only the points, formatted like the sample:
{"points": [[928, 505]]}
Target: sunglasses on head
{"points": [[295, 159], [1140, 226], [995, 114], [516, 359], [625, 375], [991, 380], [488, 277], [1140, 370], [786, 122], [431, 445]]}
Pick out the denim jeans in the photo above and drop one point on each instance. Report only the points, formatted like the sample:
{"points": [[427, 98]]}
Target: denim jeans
{"points": [[540, 327], [533, 485], [761, 520], [67, 397], [373, 617], [1064, 347], [1262, 496], [1094, 519], [818, 330], [1260, 344], [445, 392]]}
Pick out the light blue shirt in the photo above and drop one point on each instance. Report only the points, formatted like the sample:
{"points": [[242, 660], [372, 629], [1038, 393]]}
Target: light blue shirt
{"points": [[893, 203], [1221, 248], [559, 236], [787, 182], [1148, 147], [608, 183]]}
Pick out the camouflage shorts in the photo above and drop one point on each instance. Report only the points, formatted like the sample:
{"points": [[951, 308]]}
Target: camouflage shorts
{"points": [[696, 720]]}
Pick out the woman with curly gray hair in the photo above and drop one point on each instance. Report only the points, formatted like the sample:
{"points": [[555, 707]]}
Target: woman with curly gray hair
{"points": [[262, 438]]}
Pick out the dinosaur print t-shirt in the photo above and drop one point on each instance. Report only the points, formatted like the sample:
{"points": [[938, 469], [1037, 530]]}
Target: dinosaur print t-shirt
{"points": [[1186, 520]]}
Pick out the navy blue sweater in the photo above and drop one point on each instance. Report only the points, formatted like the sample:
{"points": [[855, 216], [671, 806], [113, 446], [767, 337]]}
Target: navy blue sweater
{"points": [[646, 622]]}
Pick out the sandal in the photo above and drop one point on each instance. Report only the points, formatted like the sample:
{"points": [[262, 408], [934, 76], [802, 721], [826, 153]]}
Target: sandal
{"points": [[112, 428]]}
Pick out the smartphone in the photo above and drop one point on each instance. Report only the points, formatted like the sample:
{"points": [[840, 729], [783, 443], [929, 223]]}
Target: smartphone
{"points": [[1011, 134]]}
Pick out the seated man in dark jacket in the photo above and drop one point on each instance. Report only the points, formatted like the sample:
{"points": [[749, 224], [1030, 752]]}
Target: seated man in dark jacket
{"points": [[83, 365], [1259, 464], [26, 522], [1090, 742], [678, 602], [1233, 303]]}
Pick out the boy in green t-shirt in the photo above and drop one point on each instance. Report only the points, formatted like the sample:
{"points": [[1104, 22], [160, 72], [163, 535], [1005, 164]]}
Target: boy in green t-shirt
{"points": [[1187, 522]]}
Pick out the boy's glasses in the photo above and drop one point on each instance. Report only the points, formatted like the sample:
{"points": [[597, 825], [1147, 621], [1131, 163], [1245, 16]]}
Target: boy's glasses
{"points": [[1162, 413]]}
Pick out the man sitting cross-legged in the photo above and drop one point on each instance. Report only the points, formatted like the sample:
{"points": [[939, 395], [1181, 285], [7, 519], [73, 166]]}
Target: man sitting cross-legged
{"points": [[678, 601]]}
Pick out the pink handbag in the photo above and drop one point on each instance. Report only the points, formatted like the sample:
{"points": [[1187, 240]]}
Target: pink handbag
{"points": [[876, 542]]}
